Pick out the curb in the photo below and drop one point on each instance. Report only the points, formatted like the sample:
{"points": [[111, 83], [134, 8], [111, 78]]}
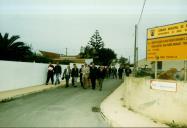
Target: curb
{"points": [[109, 122], [10, 98]]}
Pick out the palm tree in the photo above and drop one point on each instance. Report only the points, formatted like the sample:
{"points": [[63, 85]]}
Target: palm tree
{"points": [[12, 50]]}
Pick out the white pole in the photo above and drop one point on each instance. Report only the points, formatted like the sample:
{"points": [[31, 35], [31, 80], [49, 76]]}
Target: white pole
{"points": [[155, 69]]}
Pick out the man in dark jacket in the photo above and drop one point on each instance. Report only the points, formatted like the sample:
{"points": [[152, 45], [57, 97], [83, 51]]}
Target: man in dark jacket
{"points": [[127, 71], [120, 72], [100, 76], [74, 74], [50, 73], [93, 75], [57, 71], [81, 78]]}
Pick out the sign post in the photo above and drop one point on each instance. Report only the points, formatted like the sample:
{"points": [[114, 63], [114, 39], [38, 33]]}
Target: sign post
{"points": [[167, 42], [185, 71], [156, 69]]}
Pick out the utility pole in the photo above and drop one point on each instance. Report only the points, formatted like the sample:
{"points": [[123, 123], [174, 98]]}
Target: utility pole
{"points": [[135, 49], [66, 51], [135, 41], [136, 57]]}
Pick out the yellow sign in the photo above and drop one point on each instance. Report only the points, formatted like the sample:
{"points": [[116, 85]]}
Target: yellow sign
{"points": [[168, 30], [167, 48]]}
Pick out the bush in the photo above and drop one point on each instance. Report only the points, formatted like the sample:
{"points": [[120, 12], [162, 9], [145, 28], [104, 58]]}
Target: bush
{"points": [[65, 62], [142, 72]]}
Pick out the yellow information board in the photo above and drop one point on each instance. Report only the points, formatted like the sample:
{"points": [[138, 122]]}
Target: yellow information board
{"points": [[168, 30], [167, 48], [167, 42]]}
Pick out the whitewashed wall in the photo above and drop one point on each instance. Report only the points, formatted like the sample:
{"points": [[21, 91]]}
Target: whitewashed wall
{"points": [[14, 75]]}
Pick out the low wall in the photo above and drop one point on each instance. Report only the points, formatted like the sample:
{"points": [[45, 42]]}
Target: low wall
{"points": [[162, 106], [14, 75]]}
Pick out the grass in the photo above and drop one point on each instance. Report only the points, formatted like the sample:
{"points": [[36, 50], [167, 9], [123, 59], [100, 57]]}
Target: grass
{"points": [[131, 109], [175, 125], [96, 109], [7, 100]]}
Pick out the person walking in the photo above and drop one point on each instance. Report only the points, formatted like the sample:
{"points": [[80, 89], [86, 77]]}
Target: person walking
{"points": [[66, 75], [85, 75], [114, 72], [58, 72], [50, 73], [100, 76], [127, 71], [74, 75], [93, 75], [120, 72], [81, 74], [109, 71]]}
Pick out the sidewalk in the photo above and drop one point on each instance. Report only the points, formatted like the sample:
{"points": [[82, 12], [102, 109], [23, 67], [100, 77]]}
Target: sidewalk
{"points": [[12, 94], [118, 116]]}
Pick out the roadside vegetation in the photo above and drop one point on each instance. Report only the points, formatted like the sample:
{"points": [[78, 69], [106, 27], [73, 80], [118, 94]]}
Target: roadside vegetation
{"points": [[95, 49], [12, 49]]}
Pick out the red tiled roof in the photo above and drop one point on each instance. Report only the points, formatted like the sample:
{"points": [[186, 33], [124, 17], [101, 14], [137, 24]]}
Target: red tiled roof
{"points": [[51, 55]]}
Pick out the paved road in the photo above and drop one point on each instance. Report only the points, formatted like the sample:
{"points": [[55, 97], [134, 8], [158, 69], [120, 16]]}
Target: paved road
{"points": [[60, 107]]}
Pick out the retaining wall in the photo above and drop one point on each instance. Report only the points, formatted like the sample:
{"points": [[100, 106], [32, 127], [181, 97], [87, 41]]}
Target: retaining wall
{"points": [[162, 106]]}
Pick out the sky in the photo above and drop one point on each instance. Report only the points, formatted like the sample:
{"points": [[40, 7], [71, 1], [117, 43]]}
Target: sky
{"points": [[54, 25]]}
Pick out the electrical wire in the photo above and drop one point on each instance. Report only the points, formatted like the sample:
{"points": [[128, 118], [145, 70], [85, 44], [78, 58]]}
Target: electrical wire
{"points": [[141, 12]]}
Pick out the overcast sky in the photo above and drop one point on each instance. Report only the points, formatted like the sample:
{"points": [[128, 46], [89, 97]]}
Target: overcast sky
{"points": [[54, 25]]}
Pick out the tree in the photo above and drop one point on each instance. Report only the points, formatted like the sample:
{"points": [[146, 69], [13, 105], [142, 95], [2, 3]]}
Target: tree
{"points": [[40, 58], [95, 49], [105, 56], [88, 52], [123, 61], [96, 41], [12, 50]]}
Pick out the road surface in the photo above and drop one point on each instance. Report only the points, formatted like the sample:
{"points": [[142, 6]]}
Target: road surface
{"points": [[59, 107]]}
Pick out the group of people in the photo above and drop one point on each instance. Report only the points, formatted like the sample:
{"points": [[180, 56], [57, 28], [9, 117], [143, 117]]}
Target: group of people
{"points": [[89, 75], [54, 70]]}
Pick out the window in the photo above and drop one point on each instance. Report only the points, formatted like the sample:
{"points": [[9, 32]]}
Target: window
{"points": [[159, 65]]}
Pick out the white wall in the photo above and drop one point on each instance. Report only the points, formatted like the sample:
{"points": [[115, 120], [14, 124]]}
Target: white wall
{"points": [[162, 106], [14, 75]]}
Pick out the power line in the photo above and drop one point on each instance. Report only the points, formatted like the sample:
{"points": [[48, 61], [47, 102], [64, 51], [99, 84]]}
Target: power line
{"points": [[135, 40], [141, 12]]}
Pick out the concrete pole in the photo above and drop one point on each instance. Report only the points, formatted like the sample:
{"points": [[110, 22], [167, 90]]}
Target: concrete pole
{"points": [[66, 51], [135, 43], [155, 69], [136, 57]]}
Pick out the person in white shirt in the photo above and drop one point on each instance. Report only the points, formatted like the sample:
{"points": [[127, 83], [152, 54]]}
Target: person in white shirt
{"points": [[85, 75], [66, 75]]}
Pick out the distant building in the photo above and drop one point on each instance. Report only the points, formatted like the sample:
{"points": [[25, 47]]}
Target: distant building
{"points": [[56, 57], [50, 55], [73, 59]]}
